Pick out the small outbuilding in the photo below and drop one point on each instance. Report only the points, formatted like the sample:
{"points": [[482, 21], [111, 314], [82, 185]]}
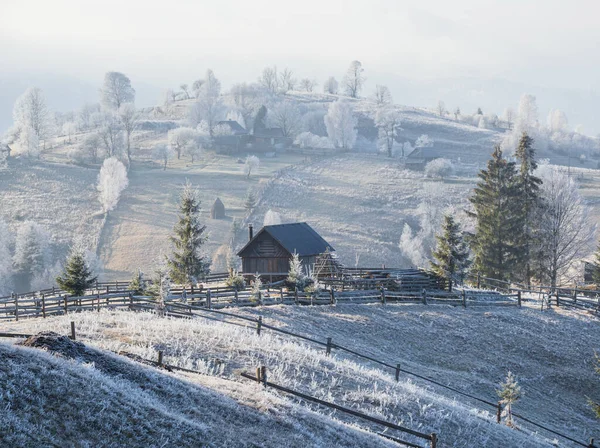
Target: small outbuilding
{"points": [[270, 250], [217, 211]]}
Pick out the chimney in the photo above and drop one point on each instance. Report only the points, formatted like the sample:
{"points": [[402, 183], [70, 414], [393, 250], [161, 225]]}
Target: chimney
{"points": [[250, 232]]}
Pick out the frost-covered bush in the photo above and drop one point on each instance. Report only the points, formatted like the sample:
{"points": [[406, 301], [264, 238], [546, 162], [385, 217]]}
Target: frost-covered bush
{"points": [[439, 168], [271, 218], [309, 140], [235, 280], [251, 164], [112, 180]]}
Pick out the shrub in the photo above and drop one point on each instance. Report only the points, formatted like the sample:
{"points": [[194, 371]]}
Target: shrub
{"points": [[439, 168]]}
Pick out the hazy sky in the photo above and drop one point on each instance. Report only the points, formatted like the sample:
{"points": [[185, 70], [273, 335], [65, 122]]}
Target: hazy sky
{"points": [[550, 43]]}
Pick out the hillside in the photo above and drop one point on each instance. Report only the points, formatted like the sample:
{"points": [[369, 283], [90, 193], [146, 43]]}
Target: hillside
{"points": [[470, 350]]}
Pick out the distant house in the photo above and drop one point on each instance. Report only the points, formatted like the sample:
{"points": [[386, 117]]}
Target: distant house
{"points": [[234, 127], [420, 157], [217, 211], [269, 139], [235, 140], [270, 250]]}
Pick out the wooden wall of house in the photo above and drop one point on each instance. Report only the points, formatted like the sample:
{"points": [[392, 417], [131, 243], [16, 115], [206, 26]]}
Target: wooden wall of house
{"points": [[266, 265]]}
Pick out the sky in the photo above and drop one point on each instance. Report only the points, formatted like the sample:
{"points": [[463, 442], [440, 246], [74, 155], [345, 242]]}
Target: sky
{"points": [[549, 44]]}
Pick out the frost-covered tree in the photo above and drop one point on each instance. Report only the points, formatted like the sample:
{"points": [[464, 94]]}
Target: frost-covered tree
{"points": [[424, 141], [208, 106], [116, 90], [308, 84], [256, 290], [456, 113], [439, 168], [29, 143], [296, 277], [68, 129], [387, 120], [85, 115], [331, 86], [187, 264], [251, 164], [557, 121], [509, 116], [269, 79], [271, 218], [412, 247], [91, 145], [250, 200], [196, 86], [341, 125], [566, 229], [179, 138], [163, 153], [354, 79], [309, 140], [6, 268], [130, 119], [287, 81], [286, 115], [451, 256], [527, 116], [111, 134], [77, 276], [30, 112], [186, 91], [383, 96], [112, 180], [509, 393], [32, 249], [441, 108]]}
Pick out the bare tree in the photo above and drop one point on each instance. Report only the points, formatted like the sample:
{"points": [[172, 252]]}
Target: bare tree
{"points": [[441, 108], [116, 90], [185, 89], [112, 135], [285, 115], [196, 86], [208, 106], [383, 96], [354, 79], [509, 116], [566, 228], [163, 153], [341, 125], [129, 121], [331, 86], [387, 121], [308, 84], [180, 138], [269, 79], [286, 80]]}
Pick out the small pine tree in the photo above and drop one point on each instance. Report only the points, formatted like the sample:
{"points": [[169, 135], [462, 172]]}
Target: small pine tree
{"points": [[296, 277], [256, 288], [596, 272], [186, 264], [250, 200], [451, 254], [509, 393], [77, 276], [235, 280], [136, 285]]}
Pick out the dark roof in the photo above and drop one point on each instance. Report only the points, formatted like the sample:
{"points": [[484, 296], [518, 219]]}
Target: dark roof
{"points": [[218, 204], [296, 237], [235, 127], [425, 153]]}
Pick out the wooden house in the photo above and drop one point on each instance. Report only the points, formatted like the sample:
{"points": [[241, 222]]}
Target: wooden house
{"points": [[270, 250], [420, 157]]}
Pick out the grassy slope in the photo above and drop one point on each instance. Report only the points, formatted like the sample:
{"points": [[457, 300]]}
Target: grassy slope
{"points": [[550, 352], [102, 400]]}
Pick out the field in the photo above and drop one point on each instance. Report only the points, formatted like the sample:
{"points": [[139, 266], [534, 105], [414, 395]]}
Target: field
{"points": [[470, 350]]}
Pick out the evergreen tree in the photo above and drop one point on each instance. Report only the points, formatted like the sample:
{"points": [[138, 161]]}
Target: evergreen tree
{"points": [[296, 277], [596, 272], [256, 288], [497, 219], [509, 393], [186, 263], [451, 254], [250, 201], [529, 202], [137, 283], [77, 276]]}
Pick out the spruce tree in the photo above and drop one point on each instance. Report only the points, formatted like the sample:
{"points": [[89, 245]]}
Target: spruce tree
{"points": [[250, 200], [509, 393], [529, 202], [498, 220], [452, 254], [187, 264], [77, 276]]}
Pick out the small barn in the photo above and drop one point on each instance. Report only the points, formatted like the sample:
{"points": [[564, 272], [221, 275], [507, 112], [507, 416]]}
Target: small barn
{"points": [[420, 157], [217, 211], [270, 250]]}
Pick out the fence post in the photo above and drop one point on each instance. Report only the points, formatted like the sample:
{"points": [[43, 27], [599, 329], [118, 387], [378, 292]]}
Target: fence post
{"points": [[130, 301], [263, 375], [66, 304], [424, 296], [260, 298], [208, 299], [591, 445], [328, 349], [72, 330], [433, 440], [296, 296], [332, 295], [160, 358], [519, 298], [258, 374], [557, 298], [464, 298], [235, 295], [575, 296], [383, 295], [281, 294], [258, 325], [44, 305], [16, 307], [499, 413], [397, 372], [478, 280]]}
